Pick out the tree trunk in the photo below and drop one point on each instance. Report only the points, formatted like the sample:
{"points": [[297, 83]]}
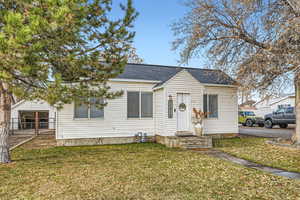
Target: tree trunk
{"points": [[5, 111], [296, 136]]}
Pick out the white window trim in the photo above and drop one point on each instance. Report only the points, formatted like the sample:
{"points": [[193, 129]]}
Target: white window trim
{"points": [[207, 102], [89, 112], [140, 105]]}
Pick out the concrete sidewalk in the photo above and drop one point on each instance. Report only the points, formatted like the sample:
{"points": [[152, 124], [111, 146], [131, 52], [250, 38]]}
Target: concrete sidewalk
{"points": [[14, 140], [252, 165]]}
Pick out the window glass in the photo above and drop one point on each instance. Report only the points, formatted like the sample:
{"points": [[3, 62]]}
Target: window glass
{"points": [[170, 108], [280, 111], [147, 104], [213, 106], [249, 113], [81, 110], [290, 110], [210, 105], [133, 104], [95, 111]]}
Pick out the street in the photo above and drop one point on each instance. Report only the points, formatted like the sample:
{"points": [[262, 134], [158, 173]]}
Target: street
{"points": [[264, 132]]}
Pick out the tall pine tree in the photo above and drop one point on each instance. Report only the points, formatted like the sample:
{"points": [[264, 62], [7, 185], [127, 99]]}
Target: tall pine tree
{"points": [[59, 51]]}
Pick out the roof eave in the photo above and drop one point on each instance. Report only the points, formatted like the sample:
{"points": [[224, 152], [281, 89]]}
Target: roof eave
{"points": [[220, 85], [134, 80]]}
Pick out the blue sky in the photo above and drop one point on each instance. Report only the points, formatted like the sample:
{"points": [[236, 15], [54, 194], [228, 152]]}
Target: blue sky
{"points": [[153, 30]]}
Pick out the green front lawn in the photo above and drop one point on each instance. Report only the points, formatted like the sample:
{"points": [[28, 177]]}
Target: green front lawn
{"points": [[136, 171], [255, 149]]}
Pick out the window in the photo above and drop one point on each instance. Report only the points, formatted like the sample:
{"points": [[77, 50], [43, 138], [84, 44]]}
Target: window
{"points": [[210, 105], [89, 110], [133, 104], [290, 110], [249, 113], [147, 104], [280, 111], [95, 111], [81, 110], [139, 104], [283, 106]]}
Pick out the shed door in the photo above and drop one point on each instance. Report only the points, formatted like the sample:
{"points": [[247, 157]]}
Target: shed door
{"points": [[183, 112]]}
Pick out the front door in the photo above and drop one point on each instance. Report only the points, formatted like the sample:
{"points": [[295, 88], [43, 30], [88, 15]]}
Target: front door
{"points": [[183, 112]]}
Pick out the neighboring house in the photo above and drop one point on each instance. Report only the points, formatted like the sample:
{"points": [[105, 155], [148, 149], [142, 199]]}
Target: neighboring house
{"points": [[23, 115], [247, 106], [157, 100], [271, 104]]}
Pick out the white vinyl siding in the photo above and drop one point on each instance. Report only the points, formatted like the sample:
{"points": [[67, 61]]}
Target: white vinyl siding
{"points": [[159, 112], [227, 121], [115, 122], [183, 82]]}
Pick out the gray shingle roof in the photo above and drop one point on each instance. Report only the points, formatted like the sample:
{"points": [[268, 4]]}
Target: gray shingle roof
{"points": [[164, 73]]}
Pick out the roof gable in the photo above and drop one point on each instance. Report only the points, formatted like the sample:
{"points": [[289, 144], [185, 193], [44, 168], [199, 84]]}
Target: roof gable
{"points": [[182, 72]]}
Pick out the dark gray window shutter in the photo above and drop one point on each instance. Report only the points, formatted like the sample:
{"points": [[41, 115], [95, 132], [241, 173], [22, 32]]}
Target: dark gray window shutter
{"points": [[205, 103]]}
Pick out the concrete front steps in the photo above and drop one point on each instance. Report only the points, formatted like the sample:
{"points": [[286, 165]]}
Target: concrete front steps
{"points": [[186, 141], [195, 142]]}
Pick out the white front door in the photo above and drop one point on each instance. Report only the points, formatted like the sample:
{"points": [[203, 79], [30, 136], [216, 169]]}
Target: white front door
{"points": [[183, 112]]}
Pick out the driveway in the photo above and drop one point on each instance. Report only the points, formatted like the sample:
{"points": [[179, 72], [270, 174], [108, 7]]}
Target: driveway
{"points": [[264, 132]]}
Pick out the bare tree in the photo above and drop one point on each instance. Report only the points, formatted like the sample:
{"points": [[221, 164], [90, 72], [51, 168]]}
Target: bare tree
{"points": [[258, 41]]}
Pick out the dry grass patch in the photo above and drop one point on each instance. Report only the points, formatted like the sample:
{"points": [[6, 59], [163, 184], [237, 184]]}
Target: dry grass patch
{"points": [[135, 171], [257, 150]]}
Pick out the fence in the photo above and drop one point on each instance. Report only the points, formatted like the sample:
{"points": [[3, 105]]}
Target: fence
{"points": [[30, 124]]}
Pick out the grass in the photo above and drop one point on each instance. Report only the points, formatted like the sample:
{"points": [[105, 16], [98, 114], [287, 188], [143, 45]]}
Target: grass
{"points": [[135, 171], [257, 150]]}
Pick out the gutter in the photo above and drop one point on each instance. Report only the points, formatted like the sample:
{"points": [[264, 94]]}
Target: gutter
{"points": [[133, 80], [220, 85]]}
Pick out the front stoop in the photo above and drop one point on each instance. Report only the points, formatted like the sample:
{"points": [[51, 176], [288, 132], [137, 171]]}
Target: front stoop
{"points": [[195, 142], [185, 142], [184, 133]]}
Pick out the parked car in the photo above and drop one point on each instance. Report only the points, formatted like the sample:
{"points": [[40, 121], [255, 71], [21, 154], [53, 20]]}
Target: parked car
{"points": [[248, 118], [282, 117]]}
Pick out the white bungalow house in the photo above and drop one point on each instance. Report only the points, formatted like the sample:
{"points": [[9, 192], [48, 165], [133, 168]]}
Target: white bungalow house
{"points": [[157, 100]]}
